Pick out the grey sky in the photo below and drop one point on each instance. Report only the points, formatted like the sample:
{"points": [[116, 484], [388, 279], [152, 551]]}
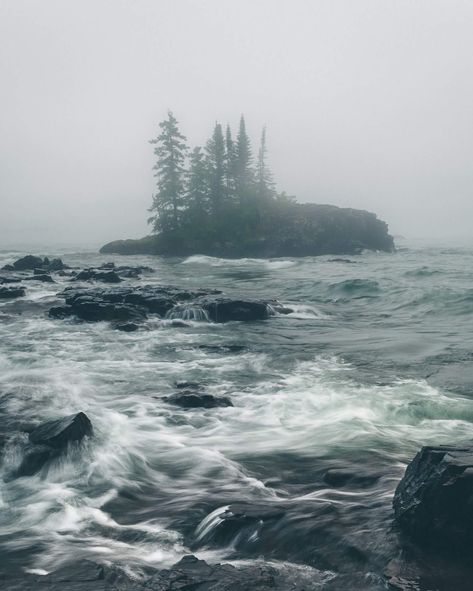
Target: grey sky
{"points": [[368, 103]]}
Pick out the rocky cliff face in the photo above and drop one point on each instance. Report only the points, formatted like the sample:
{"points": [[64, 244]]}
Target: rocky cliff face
{"points": [[295, 230]]}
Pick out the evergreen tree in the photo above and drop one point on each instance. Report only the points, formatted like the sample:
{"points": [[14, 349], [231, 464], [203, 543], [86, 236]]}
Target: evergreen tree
{"points": [[216, 169], [170, 152], [244, 176], [230, 164], [197, 183], [265, 188]]}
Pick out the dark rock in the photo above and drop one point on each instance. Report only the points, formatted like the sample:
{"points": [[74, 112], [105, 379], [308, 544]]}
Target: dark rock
{"points": [[189, 574], [61, 311], [108, 265], [56, 265], [227, 310], [94, 275], [94, 311], [8, 268], [187, 385], [126, 326], [11, 292], [58, 433], [44, 277], [10, 279], [193, 399], [36, 456], [28, 262], [241, 521], [153, 304], [50, 439], [433, 502]]}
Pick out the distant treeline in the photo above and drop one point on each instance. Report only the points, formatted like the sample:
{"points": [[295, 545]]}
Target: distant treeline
{"points": [[217, 190]]}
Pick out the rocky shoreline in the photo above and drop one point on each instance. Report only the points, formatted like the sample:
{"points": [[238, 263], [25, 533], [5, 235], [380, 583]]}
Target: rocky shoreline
{"points": [[432, 504]]}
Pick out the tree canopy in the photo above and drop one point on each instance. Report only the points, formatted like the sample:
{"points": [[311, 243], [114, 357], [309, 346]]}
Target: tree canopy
{"points": [[216, 192]]}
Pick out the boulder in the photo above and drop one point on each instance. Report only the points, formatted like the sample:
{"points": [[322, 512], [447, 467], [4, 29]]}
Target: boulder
{"points": [[56, 265], [44, 277], [60, 311], [50, 439], [58, 433], [11, 292], [27, 263], [94, 275], [433, 503], [227, 310], [193, 399], [94, 311]]}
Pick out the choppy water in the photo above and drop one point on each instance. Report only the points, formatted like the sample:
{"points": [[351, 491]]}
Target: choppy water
{"points": [[375, 361]]}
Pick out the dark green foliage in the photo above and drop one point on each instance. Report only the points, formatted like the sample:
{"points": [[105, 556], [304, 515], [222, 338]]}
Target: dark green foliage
{"points": [[170, 151], [244, 174], [197, 189], [265, 189], [216, 170], [217, 203]]}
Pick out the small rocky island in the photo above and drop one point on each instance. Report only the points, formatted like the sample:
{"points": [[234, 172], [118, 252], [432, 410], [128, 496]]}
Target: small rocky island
{"points": [[217, 201]]}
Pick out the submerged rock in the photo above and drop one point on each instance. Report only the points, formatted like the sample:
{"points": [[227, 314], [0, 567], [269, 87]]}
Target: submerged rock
{"points": [[11, 292], [433, 502], [193, 399]]}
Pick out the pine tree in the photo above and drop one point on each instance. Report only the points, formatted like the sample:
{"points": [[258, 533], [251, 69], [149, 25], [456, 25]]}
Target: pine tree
{"points": [[244, 175], [197, 183], [265, 188], [230, 164], [170, 152], [216, 169]]}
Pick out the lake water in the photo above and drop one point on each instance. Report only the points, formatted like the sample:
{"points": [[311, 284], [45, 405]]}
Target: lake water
{"points": [[330, 403]]}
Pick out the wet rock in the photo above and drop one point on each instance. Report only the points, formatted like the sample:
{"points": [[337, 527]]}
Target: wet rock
{"points": [[434, 500], [94, 311], [227, 310], [58, 433], [52, 438], [242, 522], [187, 385], [149, 301], [126, 326], [36, 456], [44, 277], [29, 262], [60, 312], [192, 399], [56, 265], [11, 292], [10, 279], [94, 275], [189, 574]]}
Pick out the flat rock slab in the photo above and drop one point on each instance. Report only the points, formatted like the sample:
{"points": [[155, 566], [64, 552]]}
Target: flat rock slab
{"points": [[192, 399], [189, 574], [11, 292]]}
